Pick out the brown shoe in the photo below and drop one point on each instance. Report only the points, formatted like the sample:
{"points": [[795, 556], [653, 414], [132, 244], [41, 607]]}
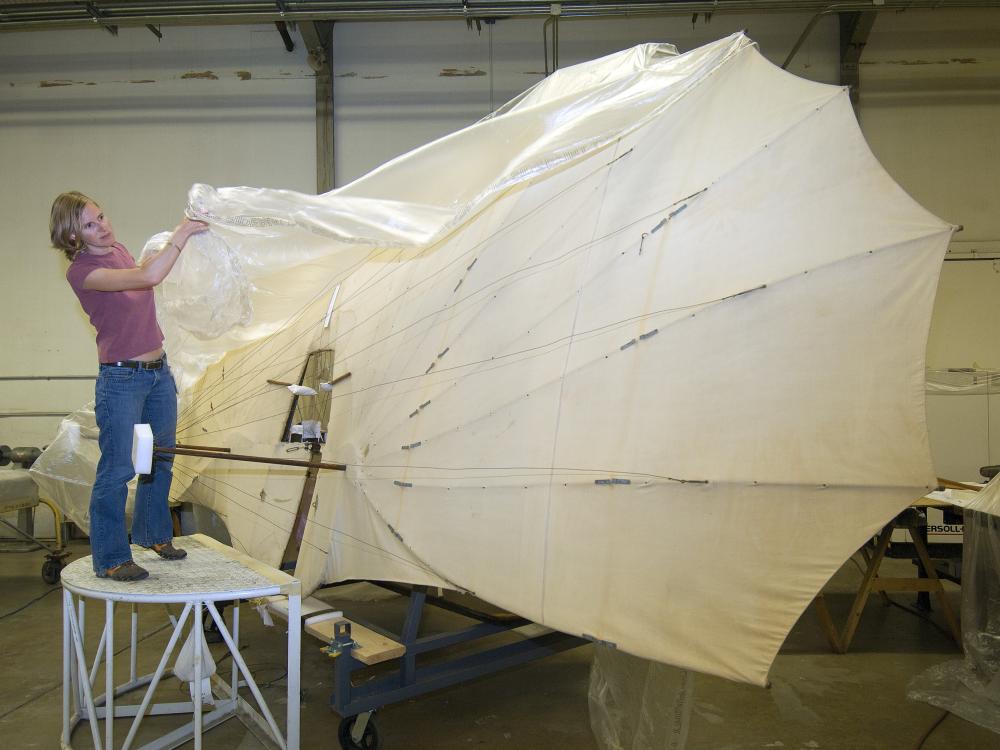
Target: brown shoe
{"points": [[168, 551], [125, 572]]}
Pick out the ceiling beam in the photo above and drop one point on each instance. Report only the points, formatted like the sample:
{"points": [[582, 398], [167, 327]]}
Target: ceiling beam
{"points": [[854, 31], [25, 16], [318, 40]]}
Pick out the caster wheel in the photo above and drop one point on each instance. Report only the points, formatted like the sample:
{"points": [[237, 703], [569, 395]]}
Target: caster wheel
{"points": [[51, 570], [369, 740]]}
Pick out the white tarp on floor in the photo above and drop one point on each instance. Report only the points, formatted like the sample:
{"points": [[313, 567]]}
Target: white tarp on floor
{"points": [[640, 357]]}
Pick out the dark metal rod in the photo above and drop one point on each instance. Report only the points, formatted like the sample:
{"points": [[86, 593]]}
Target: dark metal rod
{"points": [[282, 28], [250, 459], [16, 414], [203, 447], [7, 378]]}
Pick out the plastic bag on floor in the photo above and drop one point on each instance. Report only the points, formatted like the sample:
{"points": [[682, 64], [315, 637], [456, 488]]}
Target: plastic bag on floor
{"points": [[970, 687], [184, 666], [636, 704]]}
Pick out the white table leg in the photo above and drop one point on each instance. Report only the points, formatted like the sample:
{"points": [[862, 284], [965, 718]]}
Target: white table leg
{"points": [[67, 665], [109, 674], [294, 665]]}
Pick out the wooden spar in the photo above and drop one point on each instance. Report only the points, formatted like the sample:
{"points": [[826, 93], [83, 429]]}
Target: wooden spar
{"points": [[291, 553], [252, 459], [953, 485]]}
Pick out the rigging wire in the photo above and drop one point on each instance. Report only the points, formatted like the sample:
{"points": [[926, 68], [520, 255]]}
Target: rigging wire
{"points": [[216, 388], [602, 167], [537, 268], [48, 689], [362, 544], [260, 389], [930, 730], [506, 227], [546, 524], [459, 307], [533, 351], [294, 317], [23, 607]]}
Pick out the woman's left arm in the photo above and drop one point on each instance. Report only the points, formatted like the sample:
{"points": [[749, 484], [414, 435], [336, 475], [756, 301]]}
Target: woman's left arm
{"points": [[152, 270]]}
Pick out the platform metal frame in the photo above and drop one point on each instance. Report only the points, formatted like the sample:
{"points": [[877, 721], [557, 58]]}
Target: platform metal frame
{"points": [[80, 678], [409, 679]]}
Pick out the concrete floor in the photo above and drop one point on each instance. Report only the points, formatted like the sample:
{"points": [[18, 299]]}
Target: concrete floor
{"points": [[817, 699]]}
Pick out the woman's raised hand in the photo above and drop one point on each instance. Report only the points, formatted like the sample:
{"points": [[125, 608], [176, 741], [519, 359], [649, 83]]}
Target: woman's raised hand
{"points": [[185, 229]]}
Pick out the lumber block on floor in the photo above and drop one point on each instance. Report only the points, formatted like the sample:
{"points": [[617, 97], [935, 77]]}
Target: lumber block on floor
{"points": [[372, 647]]}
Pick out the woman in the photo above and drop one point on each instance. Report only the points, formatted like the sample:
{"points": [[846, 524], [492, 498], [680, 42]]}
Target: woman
{"points": [[134, 384]]}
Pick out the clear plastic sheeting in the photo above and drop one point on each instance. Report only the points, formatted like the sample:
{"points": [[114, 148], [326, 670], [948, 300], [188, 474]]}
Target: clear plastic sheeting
{"points": [[644, 349], [207, 294], [970, 687], [961, 382], [66, 469], [636, 704]]}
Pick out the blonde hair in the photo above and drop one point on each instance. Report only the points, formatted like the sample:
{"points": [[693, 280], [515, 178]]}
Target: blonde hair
{"points": [[64, 222]]}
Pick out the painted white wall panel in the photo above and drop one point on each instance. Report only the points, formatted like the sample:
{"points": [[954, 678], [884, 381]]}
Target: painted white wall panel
{"points": [[133, 122], [930, 108], [959, 427]]}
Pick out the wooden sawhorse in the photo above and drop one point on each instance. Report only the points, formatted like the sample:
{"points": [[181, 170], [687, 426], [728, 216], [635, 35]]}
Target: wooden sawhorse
{"points": [[874, 553]]}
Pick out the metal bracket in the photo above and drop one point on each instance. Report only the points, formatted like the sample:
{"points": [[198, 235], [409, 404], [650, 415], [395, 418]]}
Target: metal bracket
{"points": [[341, 639]]}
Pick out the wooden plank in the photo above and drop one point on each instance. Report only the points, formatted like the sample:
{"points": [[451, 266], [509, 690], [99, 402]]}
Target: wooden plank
{"points": [[291, 554], [372, 647], [288, 584], [854, 616], [942, 596], [950, 484], [826, 622]]}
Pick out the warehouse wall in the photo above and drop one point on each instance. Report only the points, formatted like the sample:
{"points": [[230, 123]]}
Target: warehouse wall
{"points": [[930, 108], [399, 85], [131, 121]]}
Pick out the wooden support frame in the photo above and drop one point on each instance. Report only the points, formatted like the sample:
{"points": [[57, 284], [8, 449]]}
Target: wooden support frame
{"points": [[873, 582]]}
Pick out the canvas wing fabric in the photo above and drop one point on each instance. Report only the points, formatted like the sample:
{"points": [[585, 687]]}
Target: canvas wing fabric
{"points": [[639, 357]]}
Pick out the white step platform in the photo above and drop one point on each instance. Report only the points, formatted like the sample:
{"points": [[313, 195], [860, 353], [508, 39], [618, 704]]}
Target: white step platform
{"points": [[212, 572]]}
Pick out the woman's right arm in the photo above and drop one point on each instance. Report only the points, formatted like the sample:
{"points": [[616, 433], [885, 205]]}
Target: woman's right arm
{"points": [[151, 271]]}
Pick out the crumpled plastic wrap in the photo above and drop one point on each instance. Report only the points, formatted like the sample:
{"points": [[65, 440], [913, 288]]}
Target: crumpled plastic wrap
{"points": [[970, 687], [207, 292], [963, 382], [66, 470], [637, 704], [571, 113]]}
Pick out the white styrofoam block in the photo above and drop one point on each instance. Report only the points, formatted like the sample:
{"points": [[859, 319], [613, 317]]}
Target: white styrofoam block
{"points": [[142, 448], [324, 616]]}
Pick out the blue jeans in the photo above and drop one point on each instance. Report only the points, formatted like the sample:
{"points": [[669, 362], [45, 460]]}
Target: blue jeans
{"points": [[124, 398]]}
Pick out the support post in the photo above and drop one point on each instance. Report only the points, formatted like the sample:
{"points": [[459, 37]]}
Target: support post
{"points": [[291, 553], [854, 31], [318, 38]]}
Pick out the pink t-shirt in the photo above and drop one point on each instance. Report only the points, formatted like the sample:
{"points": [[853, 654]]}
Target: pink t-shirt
{"points": [[125, 321]]}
